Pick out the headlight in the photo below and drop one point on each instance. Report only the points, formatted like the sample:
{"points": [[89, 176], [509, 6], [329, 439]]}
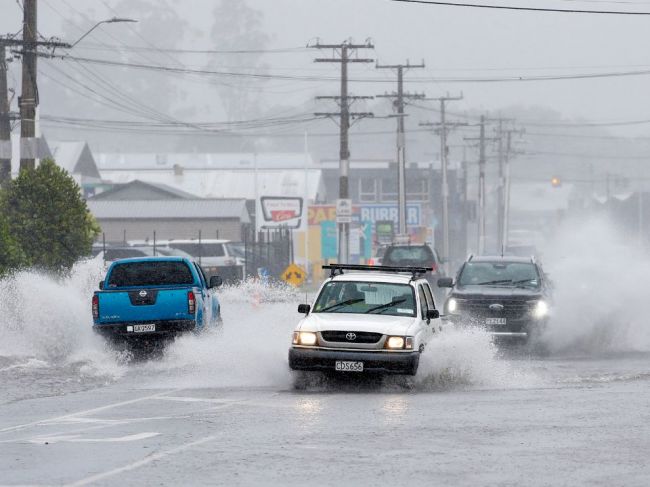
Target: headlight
{"points": [[304, 338], [541, 309], [452, 305], [395, 342]]}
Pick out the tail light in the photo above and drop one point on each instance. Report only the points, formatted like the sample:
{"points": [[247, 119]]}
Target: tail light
{"points": [[95, 307], [371, 261], [191, 302], [434, 266]]}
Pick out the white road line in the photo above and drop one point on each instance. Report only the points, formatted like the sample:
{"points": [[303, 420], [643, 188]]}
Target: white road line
{"points": [[140, 463], [88, 411], [79, 439]]}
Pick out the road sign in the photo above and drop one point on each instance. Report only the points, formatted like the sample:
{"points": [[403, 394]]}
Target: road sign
{"points": [[294, 275], [344, 211]]}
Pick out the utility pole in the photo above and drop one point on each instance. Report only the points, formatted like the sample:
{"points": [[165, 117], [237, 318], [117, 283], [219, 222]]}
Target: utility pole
{"points": [[28, 100], [5, 124], [444, 162], [343, 54], [399, 98], [481, 189]]}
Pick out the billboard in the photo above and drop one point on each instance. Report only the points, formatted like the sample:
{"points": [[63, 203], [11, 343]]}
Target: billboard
{"points": [[281, 211]]}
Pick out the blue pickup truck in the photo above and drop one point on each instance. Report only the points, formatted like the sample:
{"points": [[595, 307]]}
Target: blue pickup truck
{"points": [[155, 298]]}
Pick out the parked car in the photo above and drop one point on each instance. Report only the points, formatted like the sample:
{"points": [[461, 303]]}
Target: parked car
{"points": [[215, 257], [112, 254], [508, 296], [155, 297], [366, 319], [417, 255]]}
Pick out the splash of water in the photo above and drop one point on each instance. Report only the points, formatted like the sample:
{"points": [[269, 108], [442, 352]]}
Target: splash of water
{"points": [[600, 303]]}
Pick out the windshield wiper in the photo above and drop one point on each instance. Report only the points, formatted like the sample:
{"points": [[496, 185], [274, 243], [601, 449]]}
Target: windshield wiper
{"points": [[385, 305], [523, 281], [500, 281], [342, 303]]}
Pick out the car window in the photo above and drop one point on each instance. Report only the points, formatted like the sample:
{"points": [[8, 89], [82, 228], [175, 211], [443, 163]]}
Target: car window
{"points": [[201, 274], [499, 273], [200, 250], [430, 301], [157, 273], [423, 302], [115, 254], [408, 255], [366, 297]]}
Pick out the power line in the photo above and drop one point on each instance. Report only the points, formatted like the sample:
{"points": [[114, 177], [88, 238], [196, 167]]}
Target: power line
{"points": [[312, 78], [526, 9]]}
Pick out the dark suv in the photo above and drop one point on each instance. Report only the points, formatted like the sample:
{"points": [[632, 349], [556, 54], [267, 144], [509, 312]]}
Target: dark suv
{"points": [[508, 296], [420, 255]]}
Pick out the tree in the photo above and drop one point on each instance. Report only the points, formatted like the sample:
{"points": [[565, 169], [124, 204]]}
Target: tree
{"points": [[11, 256], [237, 26], [48, 218]]}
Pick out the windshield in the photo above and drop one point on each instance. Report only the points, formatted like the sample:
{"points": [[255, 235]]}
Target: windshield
{"points": [[408, 255], [366, 297], [139, 274], [200, 250], [499, 274]]}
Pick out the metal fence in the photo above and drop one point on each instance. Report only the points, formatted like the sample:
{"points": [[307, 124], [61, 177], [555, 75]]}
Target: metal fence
{"points": [[269, 254]]}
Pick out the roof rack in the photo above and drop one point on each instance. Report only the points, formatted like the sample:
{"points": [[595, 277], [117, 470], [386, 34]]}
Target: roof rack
{"points": [[414, 271]]}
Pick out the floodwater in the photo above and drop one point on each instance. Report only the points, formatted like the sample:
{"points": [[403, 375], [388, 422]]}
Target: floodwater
{"points": [[220, 409]]}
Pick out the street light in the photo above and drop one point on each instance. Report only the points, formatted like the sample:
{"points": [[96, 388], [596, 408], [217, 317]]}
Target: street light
{"points": [[113, 20]]}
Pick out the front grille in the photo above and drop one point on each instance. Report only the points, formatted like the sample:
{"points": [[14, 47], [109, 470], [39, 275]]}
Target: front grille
{"points": [[359, 336], [512, 308]]}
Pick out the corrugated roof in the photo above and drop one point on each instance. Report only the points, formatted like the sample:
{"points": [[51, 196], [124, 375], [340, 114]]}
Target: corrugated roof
{"points": [[115, 192], [195, 160], [169, 209], [211, 183]]}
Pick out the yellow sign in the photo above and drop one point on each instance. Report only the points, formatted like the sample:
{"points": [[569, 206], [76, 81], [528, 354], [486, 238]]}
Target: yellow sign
{"points": [[294, 275]]}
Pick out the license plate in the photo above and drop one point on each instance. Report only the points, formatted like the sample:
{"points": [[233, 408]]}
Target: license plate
{"points": [[344, 366], [495, 321], [143, 328]]}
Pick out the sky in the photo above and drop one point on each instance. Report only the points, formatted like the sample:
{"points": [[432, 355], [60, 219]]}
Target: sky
{"points": [[453, 42]]}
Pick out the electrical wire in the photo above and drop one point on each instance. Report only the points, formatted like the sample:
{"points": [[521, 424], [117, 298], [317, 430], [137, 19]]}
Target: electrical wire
{"points": [[526, 9]]}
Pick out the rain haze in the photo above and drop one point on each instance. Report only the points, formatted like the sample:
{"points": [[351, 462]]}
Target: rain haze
{"points": [[370, 242]]}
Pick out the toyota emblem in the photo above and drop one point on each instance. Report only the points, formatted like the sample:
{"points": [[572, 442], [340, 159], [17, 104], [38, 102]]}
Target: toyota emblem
{"points": [[496, 307], [351, 336], [143, 293]]}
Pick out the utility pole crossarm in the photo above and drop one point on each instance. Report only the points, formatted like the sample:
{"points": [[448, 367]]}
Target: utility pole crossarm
{"points": [[399, 104], [342, 55]]}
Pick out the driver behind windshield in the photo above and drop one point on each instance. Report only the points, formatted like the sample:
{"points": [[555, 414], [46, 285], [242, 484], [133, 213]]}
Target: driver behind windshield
{"points": [[499, 274]]}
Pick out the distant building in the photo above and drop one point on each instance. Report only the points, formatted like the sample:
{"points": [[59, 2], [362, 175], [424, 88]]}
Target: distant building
{"points": [[171, 218], [142, 191]]}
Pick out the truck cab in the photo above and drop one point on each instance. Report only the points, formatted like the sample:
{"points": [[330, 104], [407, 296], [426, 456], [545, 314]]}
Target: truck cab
{"points": [[155, 297]]}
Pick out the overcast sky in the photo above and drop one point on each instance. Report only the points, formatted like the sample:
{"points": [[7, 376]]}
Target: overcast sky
{"points": [[453, 41]]}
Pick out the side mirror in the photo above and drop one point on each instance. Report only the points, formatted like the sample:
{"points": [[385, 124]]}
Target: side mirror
{"points": [[215, 281], [445, 282], [101, 285], [433, 314], [304, 308]]}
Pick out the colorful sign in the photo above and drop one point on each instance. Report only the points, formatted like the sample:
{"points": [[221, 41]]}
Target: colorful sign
{"points": [[328, 240], [373, 213]]}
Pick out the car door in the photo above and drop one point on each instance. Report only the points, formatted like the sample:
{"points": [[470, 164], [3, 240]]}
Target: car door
{"points": [[206, 296], [426, 326], [436, 325]]}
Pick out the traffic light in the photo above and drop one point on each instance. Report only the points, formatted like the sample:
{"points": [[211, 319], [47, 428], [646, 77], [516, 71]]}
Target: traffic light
{"points": [[556, 182]]}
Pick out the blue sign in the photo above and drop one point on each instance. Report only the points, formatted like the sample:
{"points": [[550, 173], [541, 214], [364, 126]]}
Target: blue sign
{"points": [[328, 240], [376, 213]]}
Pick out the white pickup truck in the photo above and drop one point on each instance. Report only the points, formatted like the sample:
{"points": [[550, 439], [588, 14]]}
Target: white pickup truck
{"points": [[366, 319]]}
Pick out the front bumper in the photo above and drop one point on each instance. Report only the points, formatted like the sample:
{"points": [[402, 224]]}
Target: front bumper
{"points": [[164, 329], [515, 329], [318, 359]]}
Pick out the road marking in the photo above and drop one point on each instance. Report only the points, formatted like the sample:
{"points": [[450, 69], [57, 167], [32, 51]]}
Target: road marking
{"points": [[140, 463], [79, 439], [87, 411]]}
